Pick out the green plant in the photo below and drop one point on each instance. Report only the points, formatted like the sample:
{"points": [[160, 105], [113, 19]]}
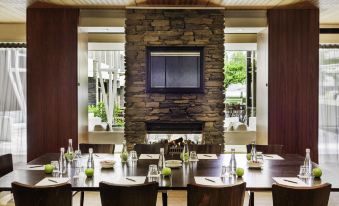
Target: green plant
{"points": [[99, 111], [235, 69]]}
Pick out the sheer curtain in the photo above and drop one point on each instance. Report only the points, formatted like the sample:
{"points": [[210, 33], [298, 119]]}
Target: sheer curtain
{"points": [[329, 102], [13, 119]]}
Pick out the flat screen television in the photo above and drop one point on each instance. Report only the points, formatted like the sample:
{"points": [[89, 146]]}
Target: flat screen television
{"points": [[175, 69]]}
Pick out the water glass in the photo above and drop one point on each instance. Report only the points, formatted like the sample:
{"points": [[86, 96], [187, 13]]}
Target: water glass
{"points": [[226, 171], [260, 157], [153, 171], [55, 165], [303, 172], [193, 156], [134, 156]]}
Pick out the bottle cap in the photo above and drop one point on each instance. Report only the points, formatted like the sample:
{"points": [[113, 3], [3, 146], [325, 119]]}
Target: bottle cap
{"points": [[162, 150], [308, 150], [69, 140], [62, 149], [90, 150]]}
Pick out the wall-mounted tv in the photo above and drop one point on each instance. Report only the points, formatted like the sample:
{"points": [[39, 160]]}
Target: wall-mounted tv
{"points": [[175, 69]]}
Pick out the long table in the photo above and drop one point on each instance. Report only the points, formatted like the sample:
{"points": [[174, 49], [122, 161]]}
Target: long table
{"points": [[256, 180]]}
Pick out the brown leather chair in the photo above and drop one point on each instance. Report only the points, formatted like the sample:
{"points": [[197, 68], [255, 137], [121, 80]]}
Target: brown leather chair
{"points": [[6, 164], [199, 195], [56, 195], [267, 149], [296, 196], [131, 195], [150, 148], [206, 148], [97, 148]]}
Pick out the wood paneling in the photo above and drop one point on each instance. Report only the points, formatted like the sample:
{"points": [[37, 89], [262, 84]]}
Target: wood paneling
{"points": [[52, 38], [293, 79]]}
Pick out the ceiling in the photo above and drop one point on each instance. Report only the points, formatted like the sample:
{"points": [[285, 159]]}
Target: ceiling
{"points": [[15, 10]]}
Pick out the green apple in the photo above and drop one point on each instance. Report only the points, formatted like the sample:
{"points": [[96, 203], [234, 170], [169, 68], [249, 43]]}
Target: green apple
{"points": [[317, 172], [49, 168], [239, 171], [124, 156], [166, 171], [184, 157], [249, 156], [89, 172]]}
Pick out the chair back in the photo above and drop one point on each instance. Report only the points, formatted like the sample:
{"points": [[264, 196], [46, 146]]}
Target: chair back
{"points": [[131, 195], [198, 195], [6, 164], [56, 195], [267, 149], [97, 148], [150, 148], [296, 196], [206, 148]]}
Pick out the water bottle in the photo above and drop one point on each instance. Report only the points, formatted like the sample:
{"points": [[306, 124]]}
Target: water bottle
{"points": [[161, 163], [253, 152], [233, 162], [70, 151], [308, 163], [90, 161], [62, 161], [185, 153]]}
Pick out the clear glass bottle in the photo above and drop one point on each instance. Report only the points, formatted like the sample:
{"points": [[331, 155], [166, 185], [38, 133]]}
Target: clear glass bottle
{"points": [[253, 152], [124, 153], [62, 161], [161, 163], [90, 161], [233, 162], [308, 163], [185, 153], [70, 151]]}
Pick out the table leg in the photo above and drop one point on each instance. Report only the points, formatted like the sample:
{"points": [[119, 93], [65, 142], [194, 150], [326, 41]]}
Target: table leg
{"points": [[164, 198], [82, 194], [251, 200]]}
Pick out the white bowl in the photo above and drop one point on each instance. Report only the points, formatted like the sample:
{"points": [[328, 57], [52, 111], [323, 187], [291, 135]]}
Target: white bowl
{"points": [[106, 164], [254, 165]]}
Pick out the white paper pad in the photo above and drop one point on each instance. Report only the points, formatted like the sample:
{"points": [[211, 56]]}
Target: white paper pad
{"points": [[125, 181], [204, 181], [149, 156], [272, 157], [47, 181], [207, 156], [30, 167], [282, 181]]}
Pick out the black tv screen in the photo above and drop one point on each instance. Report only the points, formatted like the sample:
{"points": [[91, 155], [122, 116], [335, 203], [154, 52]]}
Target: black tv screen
{"points": [[175, 69]]}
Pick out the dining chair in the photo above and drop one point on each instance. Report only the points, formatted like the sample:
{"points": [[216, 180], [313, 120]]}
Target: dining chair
{"points": [[97, 148], [150, 148], [206, 148], [301, 196], [6, 166], [128, 195], [55, 195], [200, 195], [267, 149]]}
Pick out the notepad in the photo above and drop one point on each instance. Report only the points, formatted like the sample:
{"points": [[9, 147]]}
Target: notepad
{"points": [[290, 181], [130, 180], [272, 157], [48, 181], [211, 181], [207, 156], [149, 156]]}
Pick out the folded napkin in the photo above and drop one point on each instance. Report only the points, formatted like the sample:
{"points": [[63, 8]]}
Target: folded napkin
{"points": [[130, 180], [207, 156], [290, 181], [48, 181], [149, 157], [272, 157], [211, 181], [30, 167]]}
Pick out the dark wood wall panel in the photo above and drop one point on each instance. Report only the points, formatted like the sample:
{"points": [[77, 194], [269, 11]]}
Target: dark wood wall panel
{"points": [[293, 79], [51, 79]]}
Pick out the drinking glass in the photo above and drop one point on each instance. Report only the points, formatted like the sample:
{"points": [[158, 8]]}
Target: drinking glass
{"points": [[260, 157], [134, 156], [193, 156], [55, 165], [303, 171], [225, 171], [153, 171]]}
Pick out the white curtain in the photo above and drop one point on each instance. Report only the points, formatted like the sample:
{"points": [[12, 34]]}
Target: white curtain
{"points": [[13, 134], [329, 100]]}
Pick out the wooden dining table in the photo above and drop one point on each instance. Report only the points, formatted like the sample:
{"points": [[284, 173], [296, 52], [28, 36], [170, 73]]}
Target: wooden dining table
{"points": [[257, 180]]}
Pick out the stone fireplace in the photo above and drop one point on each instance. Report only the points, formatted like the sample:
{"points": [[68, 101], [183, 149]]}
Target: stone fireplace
{"points": [[175, 28]]}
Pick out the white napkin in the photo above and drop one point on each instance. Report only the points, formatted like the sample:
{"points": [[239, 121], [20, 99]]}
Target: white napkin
{"points": [[129, 180], [30, 167], [207, 156], [272, 157], [285, 181], [47, 181], [149, 156], [211, 181]]}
